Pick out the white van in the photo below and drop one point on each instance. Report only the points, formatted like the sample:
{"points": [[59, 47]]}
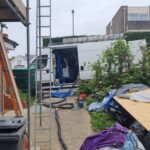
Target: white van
{"points": [[73, 61]]}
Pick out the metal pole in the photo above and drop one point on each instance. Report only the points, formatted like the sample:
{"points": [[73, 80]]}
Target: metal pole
{"points": [[40, 55], [73, 22], [28, 64], [2, 75]]}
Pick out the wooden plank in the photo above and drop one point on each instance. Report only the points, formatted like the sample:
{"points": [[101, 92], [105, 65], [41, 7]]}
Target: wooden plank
{"points": [[140, 111], [20, 7], [37, 148], [10, 81], [7, 14]]}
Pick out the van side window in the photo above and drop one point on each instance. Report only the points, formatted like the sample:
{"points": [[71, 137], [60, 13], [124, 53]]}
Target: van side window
{"points": [[42, 63], [33, 64]]}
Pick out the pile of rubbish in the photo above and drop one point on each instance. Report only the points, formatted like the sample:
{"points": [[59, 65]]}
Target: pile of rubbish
{"points": [[114, 138], [108, 101], [127, 133]]}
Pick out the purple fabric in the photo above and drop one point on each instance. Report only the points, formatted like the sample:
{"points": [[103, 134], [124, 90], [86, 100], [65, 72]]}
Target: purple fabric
{"points": [[111, 137]]}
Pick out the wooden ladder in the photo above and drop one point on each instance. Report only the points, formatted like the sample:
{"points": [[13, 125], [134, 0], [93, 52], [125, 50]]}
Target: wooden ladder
{"points": [[10, 83]]}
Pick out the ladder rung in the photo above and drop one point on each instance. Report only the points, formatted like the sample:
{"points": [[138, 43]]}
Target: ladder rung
{"points": [[43, 81], [42, 47], [43, 26], [41, 104], [42, 141], [43, 69], [43, 58], [42, 116], [45, 6], [43, 36], [44, 92], [42, 129], [46, 88], [44, 16]]}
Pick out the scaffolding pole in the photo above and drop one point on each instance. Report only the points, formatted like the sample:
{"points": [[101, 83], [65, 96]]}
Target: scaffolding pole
{"points": [[28, 65]]}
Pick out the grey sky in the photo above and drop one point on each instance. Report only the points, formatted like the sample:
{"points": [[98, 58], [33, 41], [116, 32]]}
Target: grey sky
{"points": [[91, 17]]}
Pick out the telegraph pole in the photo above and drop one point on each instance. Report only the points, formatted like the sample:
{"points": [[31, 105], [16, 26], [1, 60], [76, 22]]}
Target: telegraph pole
{"points": [[73, 22]]}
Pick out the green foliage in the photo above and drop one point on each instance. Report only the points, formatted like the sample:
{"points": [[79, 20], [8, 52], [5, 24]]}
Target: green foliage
{"points": [[138, 35], [86, 86], [23, 96], [90, 100], [114, 68], [101, 120], [46, 42], [115, 61]]}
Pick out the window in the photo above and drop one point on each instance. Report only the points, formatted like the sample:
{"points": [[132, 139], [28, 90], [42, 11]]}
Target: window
{"points": [[41, 62], [138, 17], [18, 62], [33, 64]]}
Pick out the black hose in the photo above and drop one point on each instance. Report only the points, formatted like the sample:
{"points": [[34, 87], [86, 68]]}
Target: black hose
{"points": [[60, 104], [61, 140]]}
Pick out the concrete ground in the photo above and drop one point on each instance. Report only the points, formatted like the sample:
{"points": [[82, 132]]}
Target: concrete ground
{"points": [[75, 127]]}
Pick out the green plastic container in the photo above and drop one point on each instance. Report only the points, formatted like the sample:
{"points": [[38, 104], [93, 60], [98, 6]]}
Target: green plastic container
{"points": [[21, 77]]}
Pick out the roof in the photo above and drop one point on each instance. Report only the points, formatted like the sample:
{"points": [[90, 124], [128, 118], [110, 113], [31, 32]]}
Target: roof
{"points": [[24, 57], [12, 10], [80, 39], [13, 43]]}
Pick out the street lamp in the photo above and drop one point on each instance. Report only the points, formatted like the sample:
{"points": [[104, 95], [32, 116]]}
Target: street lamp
{"points": [[73, 22]]}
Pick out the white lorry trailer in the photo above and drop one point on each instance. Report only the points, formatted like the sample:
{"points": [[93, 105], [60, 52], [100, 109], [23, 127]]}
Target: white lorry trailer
{"points": [[70, 62]]}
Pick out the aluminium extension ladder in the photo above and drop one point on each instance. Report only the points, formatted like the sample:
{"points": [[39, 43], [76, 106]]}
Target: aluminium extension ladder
{"points": [[43, 30]]}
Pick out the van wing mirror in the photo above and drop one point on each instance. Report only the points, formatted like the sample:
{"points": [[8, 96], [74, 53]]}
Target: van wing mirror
{"points": [[47, 71], [82, 68]]}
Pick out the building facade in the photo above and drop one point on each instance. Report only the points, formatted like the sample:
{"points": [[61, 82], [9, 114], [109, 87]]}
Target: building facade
{"points": [[21, 61], [130, 19]]}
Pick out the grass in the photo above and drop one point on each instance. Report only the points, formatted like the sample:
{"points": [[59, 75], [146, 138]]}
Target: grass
{"points": [[101, 121], [23, 96]]}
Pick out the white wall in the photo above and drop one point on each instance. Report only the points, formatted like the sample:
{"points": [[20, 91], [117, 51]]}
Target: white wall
{"points": [[18, 62]]}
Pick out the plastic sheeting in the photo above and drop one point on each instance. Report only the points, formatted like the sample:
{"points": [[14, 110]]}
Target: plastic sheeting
{"points": [[128, 88], [99, 106]]}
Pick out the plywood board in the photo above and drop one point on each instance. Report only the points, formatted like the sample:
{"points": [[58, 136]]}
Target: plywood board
{"points": [[140, 111], [20, 6], [7, 14]]}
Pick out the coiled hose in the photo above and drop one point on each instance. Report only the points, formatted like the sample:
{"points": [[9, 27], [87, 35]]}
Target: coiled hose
{"points": [[60, 104]]}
